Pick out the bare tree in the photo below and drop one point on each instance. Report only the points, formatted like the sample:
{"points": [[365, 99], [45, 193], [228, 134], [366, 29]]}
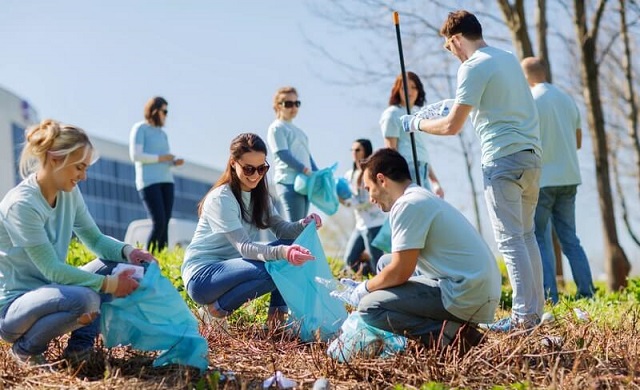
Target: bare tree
{"points": [[515, 16], [616, 261]]}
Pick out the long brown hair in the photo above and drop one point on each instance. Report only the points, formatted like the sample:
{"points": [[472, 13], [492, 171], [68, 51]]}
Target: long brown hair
{"points": [[152, 110], [395, 99], [260, 200]]}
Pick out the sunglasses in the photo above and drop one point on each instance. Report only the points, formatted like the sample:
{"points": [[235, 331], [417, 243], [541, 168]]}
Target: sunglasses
{"points": [[290, 104], [356, 150], [164, 111], [249, 170]]}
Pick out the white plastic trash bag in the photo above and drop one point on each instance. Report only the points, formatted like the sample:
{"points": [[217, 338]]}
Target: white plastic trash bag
{"points": [[436, 110], [360, 339]]}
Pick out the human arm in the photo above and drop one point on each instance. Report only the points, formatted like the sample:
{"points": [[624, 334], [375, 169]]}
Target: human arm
{"points": [[391, 142], [295, 254], [435, 184], [402, 266], [136, 148], [451, 124], [292, 162], [578, 138]]}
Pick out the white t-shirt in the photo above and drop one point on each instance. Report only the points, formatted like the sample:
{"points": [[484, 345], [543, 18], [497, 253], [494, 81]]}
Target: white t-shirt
{"points": [[451, 252], [391, 127]]}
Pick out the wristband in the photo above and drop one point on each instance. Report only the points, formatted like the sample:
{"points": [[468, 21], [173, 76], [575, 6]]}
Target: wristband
{"points": [[110, 284]]}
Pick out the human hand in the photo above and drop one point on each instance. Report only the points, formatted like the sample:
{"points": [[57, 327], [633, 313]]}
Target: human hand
{"points": [[178, 162], [166, 157], [352, 291], [298, 255], [126, 284], [410, 123], [137, 256], [435, 186], [307, 171], [312, 217]]}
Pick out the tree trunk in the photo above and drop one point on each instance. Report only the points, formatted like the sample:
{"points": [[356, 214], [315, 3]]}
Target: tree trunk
{"points": [[514, 15], [616, 261], [541, 33]]}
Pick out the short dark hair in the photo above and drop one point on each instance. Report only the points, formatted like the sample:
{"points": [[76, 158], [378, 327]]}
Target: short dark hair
{"points": [[461, 22], [388, 162]]}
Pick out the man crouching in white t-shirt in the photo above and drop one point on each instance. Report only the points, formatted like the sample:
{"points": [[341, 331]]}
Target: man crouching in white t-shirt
{"points": [[441, 277]]}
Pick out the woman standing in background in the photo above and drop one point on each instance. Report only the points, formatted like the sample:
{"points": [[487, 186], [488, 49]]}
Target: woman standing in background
{"points": [[149, 150], [292, 156], [369, 218], [395, 137]]}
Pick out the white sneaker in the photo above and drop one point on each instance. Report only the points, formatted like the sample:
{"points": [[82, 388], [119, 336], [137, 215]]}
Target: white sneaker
{"points": [[209, 320]]}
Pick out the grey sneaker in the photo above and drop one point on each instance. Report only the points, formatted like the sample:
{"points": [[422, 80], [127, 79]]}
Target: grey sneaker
{"points": [[27, 360], [217, 323]]}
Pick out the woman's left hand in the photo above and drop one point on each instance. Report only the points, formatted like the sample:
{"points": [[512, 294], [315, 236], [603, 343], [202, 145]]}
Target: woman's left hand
{"points": [[312, 217]]}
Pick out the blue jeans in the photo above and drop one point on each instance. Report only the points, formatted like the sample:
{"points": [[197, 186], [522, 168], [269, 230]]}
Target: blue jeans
{"points": [[294, 206], [413, 308], [511, 186], [228, 284], [38, 316], [556, 207], [158, 200], [358, 242]]}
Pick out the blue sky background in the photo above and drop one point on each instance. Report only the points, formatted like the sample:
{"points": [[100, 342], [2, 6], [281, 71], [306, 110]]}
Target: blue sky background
{"points": [[95, 63]]}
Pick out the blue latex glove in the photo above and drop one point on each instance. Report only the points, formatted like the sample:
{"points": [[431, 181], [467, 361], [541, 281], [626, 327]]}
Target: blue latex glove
{"points": [[410, 123], [350, 291]]}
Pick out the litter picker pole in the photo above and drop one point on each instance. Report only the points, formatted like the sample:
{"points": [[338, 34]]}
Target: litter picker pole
{"points": [[414, 153]]}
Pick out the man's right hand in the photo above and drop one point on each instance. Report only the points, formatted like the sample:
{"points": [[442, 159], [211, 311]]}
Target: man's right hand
{"points": [[410, 123]]}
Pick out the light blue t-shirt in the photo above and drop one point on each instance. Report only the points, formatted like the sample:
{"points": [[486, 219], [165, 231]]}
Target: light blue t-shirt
{"points": [[283, 135], [451, 252], [28, 221], [154, 141], [221, 214], [504, 115], [559, 120], [391, 127]]}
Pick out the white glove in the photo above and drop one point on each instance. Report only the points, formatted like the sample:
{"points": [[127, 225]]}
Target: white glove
{"points": [[410, 123], [351, 292]]}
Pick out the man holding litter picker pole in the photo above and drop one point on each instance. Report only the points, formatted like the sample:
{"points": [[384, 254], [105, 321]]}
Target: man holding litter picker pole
{"points": [[493, 91]]}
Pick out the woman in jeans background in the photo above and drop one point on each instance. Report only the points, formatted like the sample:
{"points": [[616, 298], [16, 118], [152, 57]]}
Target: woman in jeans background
{"points": [[42, 297], [149, 150], [369, 218], [224, 265], [292, 156]]}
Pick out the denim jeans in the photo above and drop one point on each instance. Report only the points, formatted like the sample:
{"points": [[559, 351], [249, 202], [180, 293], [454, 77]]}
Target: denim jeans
{"points": [[413, 308], [294, 206], [158, 200], [556, 207], [359, 242], [38, 316], [228, 284], [511, 186]]}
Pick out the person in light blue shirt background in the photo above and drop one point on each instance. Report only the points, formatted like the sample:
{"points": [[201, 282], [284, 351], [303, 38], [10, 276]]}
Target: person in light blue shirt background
{"points": [[292, 155], [149, 150], [493, 92], [561, 136], [41, 296], [396, 138], [224, 264]]}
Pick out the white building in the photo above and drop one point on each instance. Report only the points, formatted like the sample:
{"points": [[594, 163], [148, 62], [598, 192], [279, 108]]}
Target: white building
{"points": [[110, 191]]}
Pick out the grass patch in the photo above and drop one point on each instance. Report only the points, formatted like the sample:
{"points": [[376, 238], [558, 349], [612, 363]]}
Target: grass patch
{"points": [[601, 351]]}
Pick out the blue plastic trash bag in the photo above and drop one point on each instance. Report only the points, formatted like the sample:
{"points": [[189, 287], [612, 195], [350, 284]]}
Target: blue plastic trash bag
{"points": [[312, 309], [342, 188], [382, 240], [360, 339], [155, 317], [321, 190]]}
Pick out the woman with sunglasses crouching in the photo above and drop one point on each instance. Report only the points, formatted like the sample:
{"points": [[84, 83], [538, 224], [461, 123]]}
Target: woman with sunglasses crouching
{"points": [[224, 266], [41, 296], [292, 156]]}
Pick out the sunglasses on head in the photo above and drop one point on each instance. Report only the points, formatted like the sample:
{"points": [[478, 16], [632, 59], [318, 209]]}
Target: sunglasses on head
{"points": [[249, 170], [290, 104]]}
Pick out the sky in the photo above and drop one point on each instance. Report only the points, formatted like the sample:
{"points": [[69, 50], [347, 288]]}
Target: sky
{"points": [[94, 64]]}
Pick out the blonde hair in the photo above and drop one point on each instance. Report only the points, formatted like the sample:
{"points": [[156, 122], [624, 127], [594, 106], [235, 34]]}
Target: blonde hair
{"points": [[51, 139], [279, 93]]}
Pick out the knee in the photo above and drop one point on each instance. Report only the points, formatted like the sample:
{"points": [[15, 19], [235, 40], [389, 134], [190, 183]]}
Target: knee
{"points": [[87, 301], [383, 261]]}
